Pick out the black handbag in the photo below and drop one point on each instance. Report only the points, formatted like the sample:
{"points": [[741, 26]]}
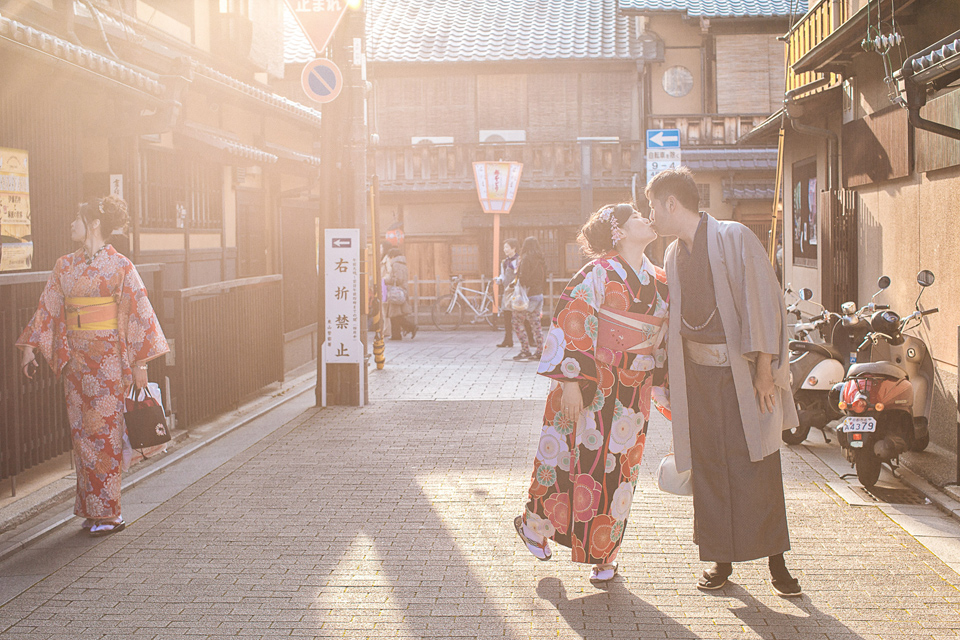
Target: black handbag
{"points": [[146, 422]]}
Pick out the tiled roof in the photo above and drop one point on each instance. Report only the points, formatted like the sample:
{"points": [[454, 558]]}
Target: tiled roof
{"points": [[222, 80], [496, 30], [231, 146], [943, 54], [748, 190], [717, 8], [727, 159], [84, 58]]}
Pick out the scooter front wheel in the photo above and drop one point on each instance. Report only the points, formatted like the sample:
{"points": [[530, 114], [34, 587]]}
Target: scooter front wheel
{"points": [[868, 468]]}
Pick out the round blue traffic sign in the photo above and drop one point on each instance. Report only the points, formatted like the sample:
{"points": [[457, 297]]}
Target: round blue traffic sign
{"points": [[321, 80]]}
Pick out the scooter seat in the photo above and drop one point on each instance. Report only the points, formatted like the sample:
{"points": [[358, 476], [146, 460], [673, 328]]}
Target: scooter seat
{"points": [[827, 350], [876, 368]]}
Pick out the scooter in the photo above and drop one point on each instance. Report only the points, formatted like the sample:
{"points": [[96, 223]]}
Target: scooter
{"points": [[886, 397], [816, 365]]}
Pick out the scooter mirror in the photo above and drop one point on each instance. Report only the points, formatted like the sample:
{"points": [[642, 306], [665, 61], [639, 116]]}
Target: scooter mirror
{"points": [[883, 282], [807, 294], [925, 278]]}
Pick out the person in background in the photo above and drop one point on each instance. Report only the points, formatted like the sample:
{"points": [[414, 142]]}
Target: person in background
{"points": [[396, 276], [95, 326], [729, 382], [605, 353], [508, 273], [532, 276]]}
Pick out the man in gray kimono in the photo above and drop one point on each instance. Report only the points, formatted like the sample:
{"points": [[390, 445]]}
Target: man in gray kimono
{"points": [[729, 382]]}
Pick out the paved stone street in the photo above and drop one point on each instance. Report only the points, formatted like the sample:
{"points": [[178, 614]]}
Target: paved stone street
{"points": [[395, 520]]}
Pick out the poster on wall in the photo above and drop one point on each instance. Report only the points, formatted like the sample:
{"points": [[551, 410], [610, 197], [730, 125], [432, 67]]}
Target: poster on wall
{"points": [[16, 243], [805, 213]]}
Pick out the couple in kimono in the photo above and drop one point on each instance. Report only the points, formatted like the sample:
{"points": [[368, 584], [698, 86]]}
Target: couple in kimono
{"points": [[616, 339]]}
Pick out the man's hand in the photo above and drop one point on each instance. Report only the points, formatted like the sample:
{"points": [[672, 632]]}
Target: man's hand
{"points": [[763, 383]]}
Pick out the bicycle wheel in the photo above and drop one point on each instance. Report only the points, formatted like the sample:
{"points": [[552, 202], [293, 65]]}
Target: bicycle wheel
{"points": [[447, 313]]}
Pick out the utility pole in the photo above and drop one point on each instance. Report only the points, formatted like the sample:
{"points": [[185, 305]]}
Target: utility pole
{"points": [[343, 180]]}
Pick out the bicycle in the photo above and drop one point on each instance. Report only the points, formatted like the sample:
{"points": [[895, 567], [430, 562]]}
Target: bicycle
{"points": [[448, 311]]}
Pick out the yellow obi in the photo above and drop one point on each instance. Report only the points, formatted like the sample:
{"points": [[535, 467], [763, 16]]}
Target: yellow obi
{"points": [[91, 314]]}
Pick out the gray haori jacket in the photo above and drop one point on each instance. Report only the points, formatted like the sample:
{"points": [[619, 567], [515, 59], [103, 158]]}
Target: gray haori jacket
{"points": [[754, 320]]}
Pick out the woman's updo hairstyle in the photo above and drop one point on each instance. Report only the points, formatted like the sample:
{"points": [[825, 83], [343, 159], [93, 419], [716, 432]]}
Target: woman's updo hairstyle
{"points": [[596, 236], [110, 211]]}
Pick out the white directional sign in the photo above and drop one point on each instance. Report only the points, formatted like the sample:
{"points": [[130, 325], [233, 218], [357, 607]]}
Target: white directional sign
{"points": [[341, 276], [342, 300], [663, 138]]}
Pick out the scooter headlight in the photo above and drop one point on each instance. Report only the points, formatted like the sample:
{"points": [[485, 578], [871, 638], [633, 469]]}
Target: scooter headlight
{"points": [[859, 405]]}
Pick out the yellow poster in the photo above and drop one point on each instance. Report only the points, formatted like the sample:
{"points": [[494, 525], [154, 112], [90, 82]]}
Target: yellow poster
{"points": [[16, 239]]}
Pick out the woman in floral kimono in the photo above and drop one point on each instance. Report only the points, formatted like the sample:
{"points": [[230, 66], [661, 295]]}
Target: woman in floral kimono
{"points": [[605, 351], [96, 326]]}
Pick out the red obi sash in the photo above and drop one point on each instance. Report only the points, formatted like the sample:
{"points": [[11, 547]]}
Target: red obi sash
{"points": [[630, 332]]}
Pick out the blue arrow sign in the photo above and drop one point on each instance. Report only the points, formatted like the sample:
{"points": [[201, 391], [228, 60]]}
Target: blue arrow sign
{"points": [[663, 138]]}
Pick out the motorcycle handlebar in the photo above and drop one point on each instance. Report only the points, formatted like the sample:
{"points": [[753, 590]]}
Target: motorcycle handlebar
{"points": [[930, 311]]}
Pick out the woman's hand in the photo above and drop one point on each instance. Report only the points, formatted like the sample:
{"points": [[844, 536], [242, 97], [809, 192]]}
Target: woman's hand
{"points": [[140, 376], [28, 362], [571, 402]]}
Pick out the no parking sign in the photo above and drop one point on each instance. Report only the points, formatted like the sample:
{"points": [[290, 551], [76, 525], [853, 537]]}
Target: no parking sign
{"points": [[321, 80]]}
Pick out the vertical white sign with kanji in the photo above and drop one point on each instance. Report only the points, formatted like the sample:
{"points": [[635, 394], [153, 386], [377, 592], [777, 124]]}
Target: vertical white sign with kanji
{"points": [[341, 269]]}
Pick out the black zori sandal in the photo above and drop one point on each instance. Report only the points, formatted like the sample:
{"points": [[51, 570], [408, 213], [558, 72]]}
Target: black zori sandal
{"points": [[715, 577]]}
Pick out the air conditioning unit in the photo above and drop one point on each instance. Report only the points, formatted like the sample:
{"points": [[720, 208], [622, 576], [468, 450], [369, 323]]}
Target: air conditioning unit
{"points": [[431, 140], [502, 135]]}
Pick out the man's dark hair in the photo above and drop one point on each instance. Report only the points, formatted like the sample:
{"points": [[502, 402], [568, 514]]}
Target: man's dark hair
{"points": [[678, 183]]}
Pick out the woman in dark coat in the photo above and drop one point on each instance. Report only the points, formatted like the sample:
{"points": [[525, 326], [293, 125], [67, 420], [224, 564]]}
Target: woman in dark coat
{"points": [[532, 276]]}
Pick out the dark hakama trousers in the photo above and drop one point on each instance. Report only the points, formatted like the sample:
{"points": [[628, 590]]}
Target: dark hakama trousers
{"points": [[739, 511]]}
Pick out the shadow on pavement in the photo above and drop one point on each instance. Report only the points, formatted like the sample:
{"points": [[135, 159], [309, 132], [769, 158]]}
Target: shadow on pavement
{"points": [[615, 609], [769, 623]]}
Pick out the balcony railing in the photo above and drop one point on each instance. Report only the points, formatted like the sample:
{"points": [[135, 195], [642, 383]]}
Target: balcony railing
{"points": [[546, 165], [822, 20], [699, 130]]}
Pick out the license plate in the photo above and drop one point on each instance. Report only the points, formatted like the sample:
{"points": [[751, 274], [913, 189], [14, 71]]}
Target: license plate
{"points": [[859, 425]]}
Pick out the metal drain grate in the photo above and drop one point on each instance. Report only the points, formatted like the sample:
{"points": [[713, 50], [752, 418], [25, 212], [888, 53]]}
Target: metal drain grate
{"points": [[889, 496]]}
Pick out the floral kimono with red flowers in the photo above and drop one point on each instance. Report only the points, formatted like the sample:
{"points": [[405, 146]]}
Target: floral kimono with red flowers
{"points": [[608, 334], [96, 365]]}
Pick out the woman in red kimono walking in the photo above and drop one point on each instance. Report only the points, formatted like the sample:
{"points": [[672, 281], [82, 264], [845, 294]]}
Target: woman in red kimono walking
{"points": [[605, 351], [95, 325]]}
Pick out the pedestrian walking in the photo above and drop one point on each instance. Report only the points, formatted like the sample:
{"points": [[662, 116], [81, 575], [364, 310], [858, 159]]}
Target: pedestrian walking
{"points": [[397, 307], [95, 326], [532, 276], [508, 273], [729, 373], [605, 351]]}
